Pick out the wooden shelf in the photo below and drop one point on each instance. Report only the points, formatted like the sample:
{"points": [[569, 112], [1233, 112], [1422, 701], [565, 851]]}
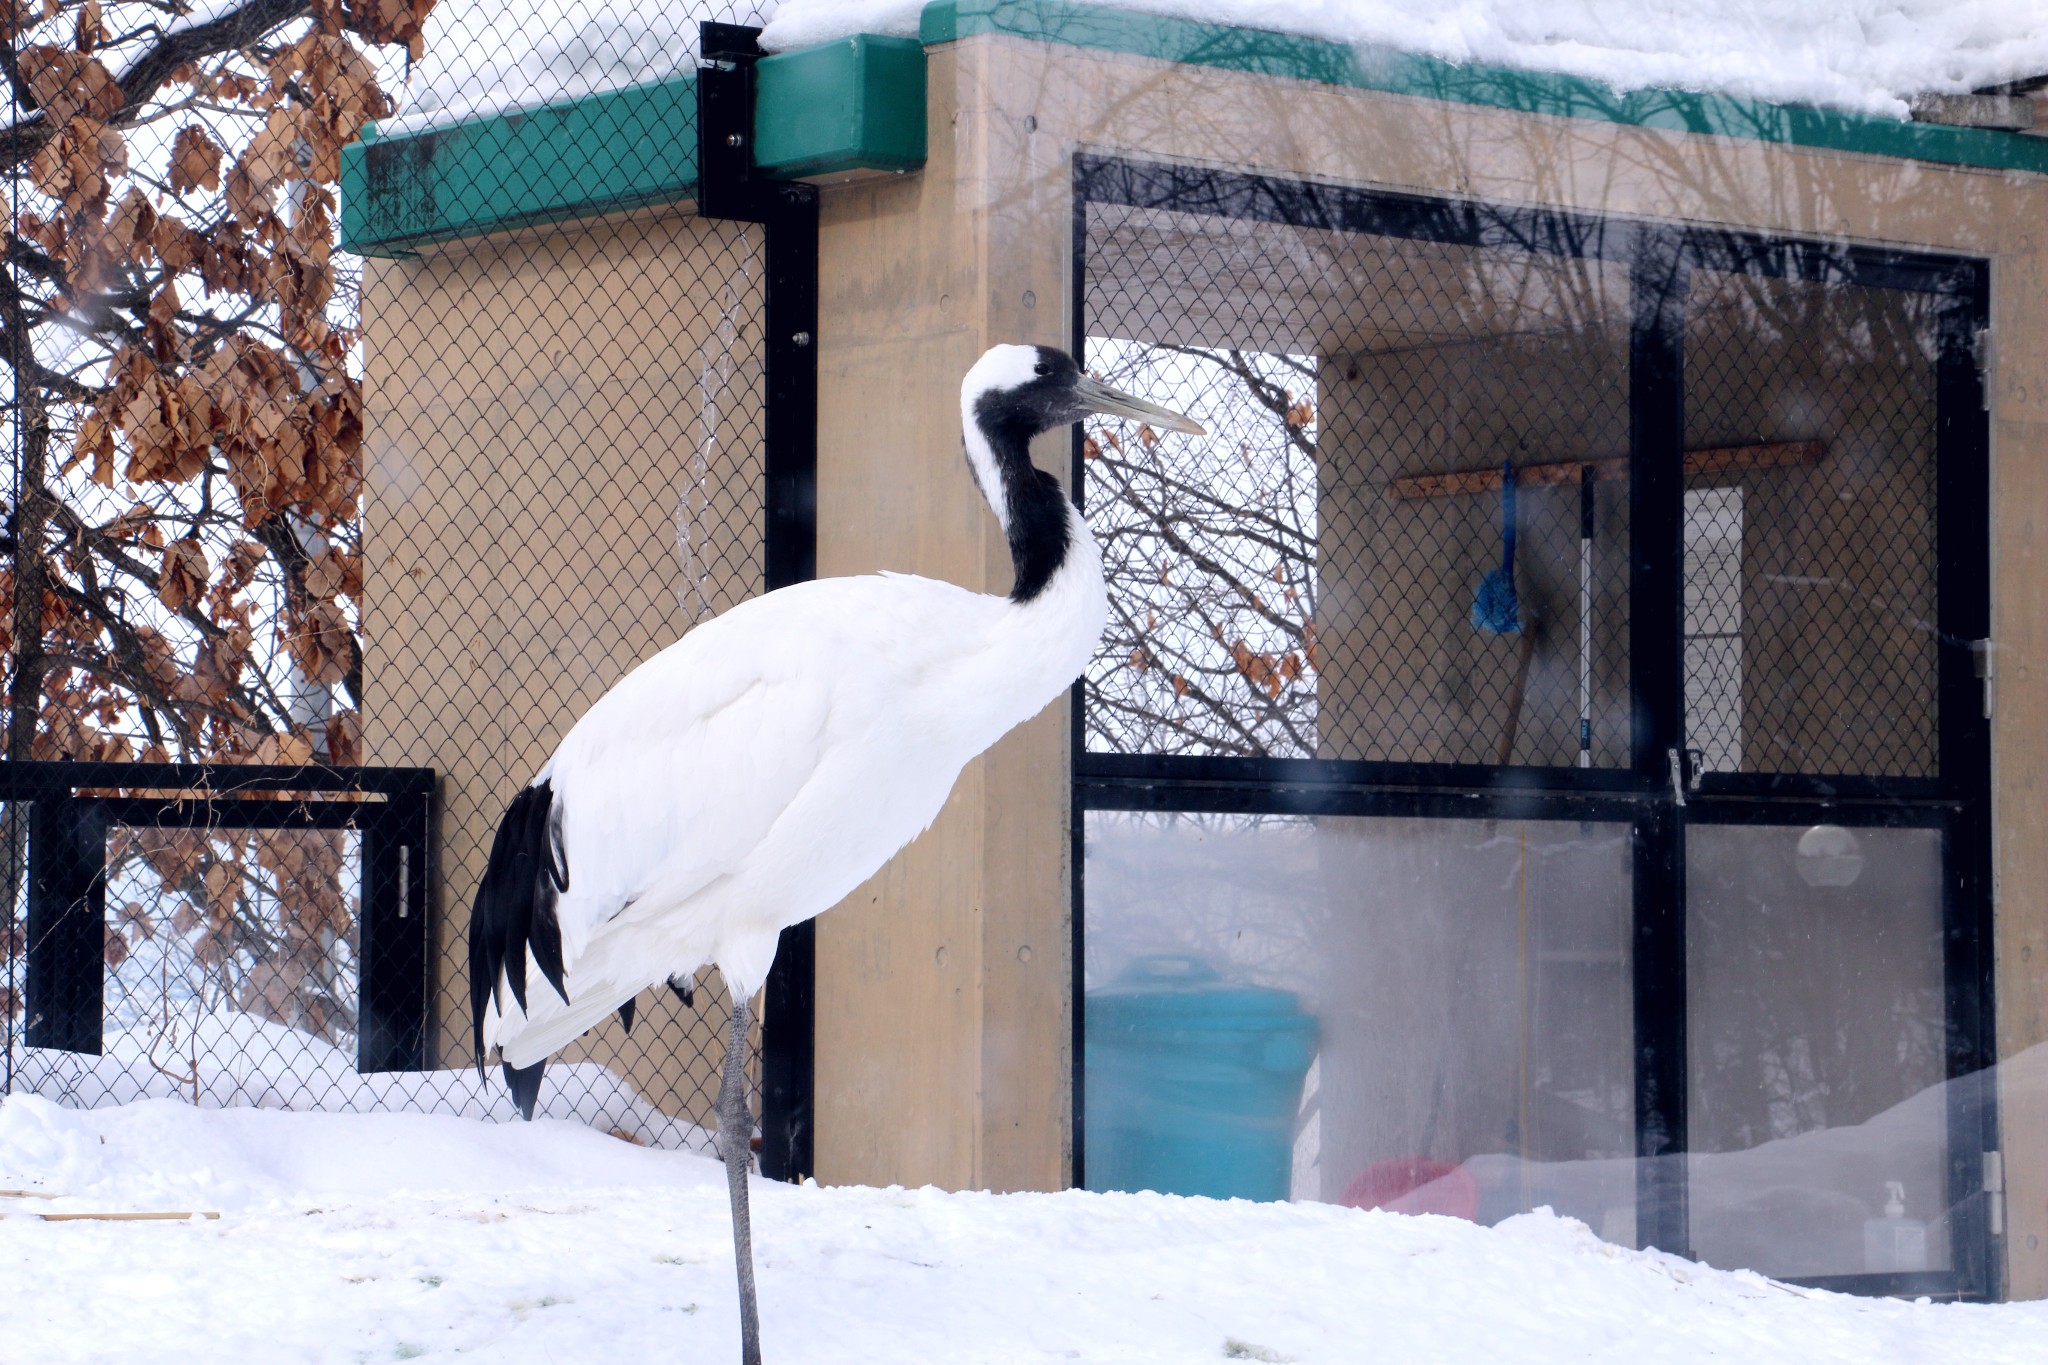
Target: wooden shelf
{"points": [[1711, 460]]}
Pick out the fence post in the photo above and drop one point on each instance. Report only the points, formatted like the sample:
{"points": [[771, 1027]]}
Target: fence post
{"points": [[67, 923]]}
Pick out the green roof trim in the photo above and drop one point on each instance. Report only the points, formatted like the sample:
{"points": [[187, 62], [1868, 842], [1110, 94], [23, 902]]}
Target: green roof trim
{"points": [[619, 149], [1266, 53], [859, 104], [855, 104]]}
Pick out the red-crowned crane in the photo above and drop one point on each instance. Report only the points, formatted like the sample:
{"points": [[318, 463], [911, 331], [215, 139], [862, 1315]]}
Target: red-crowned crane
{"points": [[753, 773]]}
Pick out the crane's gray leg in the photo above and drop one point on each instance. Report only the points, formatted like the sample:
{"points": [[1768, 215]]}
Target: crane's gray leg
{"points": [[735, 1145]]}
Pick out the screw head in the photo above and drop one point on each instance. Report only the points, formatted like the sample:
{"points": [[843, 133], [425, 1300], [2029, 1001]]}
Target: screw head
{"points": [[801, 338], [733, 139]]}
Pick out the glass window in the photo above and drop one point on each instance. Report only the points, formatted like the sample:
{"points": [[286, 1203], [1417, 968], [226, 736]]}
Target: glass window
{"points": [[1815, 1026], [1305, 583], [1429, 1015], [1809, 410]]}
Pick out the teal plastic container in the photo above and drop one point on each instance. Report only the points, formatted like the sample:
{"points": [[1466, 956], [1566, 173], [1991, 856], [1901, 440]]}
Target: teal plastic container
{"points": [[1192, 1082]]}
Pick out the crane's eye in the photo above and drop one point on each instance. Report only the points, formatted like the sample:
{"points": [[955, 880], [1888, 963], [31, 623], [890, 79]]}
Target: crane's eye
{"points": [[1041, 368]]}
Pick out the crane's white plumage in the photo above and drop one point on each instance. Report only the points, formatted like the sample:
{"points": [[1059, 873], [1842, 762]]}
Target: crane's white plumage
{"points": [[753, 773], [756, 771]]}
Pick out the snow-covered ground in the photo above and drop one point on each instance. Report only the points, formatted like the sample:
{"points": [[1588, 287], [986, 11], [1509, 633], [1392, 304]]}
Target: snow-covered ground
{"points": [[367, 1237], [226, 1059]]}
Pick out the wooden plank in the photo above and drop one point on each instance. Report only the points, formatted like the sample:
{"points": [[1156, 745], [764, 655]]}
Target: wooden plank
{"points": [[125, 1217], [1710, 460]]}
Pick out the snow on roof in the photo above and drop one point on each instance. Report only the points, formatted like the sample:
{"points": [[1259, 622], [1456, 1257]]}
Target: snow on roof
{"points": [[1866, 56], [1869, 56], [485, 58]]}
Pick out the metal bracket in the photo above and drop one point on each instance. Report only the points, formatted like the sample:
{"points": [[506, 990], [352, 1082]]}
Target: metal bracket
{"points": [[1983, 351], [725, 123], [727, 186], [1994, 1191], [1984, 659]]}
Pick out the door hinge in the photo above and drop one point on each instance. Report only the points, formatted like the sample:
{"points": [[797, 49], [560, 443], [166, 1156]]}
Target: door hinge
{"points": [[1984, 660], [1982, 351], [1994, 1191]]}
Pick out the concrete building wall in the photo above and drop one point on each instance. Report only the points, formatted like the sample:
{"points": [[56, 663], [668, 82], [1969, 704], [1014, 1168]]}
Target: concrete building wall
{"points": [[920, 274], [944, 1009]]}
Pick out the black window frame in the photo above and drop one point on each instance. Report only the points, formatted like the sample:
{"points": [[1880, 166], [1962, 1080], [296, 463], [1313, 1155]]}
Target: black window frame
{"points": [[72, 804], [1649, 795]]}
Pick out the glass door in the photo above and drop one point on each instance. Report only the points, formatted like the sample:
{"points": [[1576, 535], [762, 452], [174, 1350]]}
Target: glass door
{"points": [[1536, 756], [1833, 765]]}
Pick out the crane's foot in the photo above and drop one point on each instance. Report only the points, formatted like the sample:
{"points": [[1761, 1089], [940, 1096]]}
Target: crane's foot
{"points": [[524, 1083], [735, 1147]]}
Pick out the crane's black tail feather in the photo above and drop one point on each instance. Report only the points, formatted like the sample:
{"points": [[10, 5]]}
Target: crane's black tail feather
{"points": [[524, 1083], [626, 1015], [514, 915]]}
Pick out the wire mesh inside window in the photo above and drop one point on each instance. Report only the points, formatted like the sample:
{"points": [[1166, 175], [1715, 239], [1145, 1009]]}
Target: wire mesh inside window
{"points": [[1810, 636], [1303, 584]]}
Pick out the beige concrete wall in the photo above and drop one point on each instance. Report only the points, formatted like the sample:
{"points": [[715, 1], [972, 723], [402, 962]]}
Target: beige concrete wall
{"points": [[920, 274], [943, 1020], [539, 413]]}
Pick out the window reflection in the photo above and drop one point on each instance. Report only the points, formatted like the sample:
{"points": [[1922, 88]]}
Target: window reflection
{"points": [[1815, 1024], [1464, 984]]}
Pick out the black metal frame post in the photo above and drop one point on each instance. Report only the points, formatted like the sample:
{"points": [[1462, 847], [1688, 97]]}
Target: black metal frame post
{"points": [[787, 212], [1659, 793], [73, 805], [1657, 298]]}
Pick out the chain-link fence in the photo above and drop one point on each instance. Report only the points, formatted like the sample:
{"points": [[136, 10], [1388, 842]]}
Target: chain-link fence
{"points": [[275, 503]]}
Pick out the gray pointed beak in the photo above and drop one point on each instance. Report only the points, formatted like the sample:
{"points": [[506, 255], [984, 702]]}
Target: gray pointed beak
{"points": [[1116, 403]]}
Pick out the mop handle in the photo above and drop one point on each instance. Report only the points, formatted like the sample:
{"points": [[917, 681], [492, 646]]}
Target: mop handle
{"points": [[1507, 520]]}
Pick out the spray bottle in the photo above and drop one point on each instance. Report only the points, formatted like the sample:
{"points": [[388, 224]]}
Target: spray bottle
{"points": [[1894, 1244]]}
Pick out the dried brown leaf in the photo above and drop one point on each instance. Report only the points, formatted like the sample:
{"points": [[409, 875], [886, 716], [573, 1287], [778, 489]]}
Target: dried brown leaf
{"points": [[195, 161], [184, 573]]}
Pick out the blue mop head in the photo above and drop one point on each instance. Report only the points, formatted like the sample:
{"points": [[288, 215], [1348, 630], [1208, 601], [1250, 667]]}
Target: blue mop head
{"points": [[1495, 608]]}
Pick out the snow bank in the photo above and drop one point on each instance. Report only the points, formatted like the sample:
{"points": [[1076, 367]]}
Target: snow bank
{"points": [[166, 1154], [232, 1060], [1869, 56], [353, 1237]]}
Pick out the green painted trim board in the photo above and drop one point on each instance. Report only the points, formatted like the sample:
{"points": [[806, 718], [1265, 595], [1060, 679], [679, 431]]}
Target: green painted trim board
{"points": [[1260, 52], [855, 104], [611, 151]]}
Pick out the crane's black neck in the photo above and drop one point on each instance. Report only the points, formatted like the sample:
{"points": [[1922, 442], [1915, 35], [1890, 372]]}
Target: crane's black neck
{"points": [[1034, 506]]}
